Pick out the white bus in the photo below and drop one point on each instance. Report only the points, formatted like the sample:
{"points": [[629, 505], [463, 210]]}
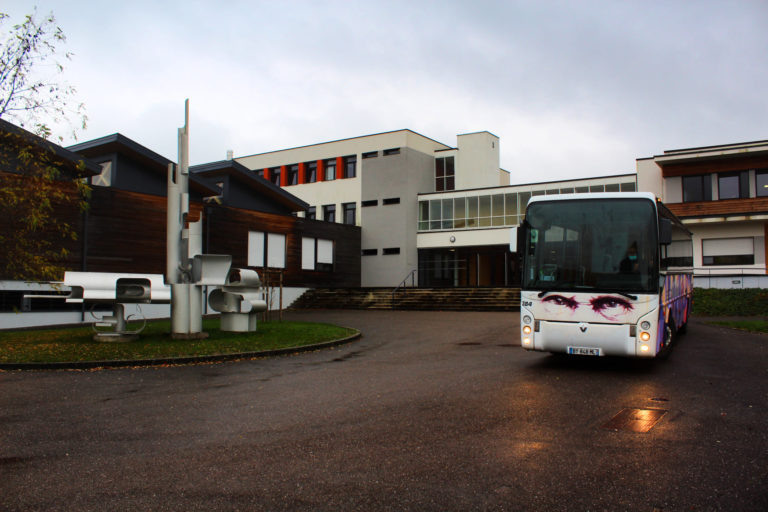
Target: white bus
{"points": [[606, 274]]}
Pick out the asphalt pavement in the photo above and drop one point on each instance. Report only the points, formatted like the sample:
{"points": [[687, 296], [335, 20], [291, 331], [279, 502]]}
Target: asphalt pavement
{"points": [[427, 411]]}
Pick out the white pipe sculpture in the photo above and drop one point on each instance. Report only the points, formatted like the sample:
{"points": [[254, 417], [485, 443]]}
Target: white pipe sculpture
{"points": [[187, 269], [239, 301]]}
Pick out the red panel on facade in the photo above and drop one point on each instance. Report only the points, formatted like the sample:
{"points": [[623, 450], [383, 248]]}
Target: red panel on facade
{"points": [[302, 173], [339, 167], [320, 171], [283, 175], [266, 174]]}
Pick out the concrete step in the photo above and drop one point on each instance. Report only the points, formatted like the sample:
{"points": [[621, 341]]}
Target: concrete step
{"points": [[453, 299]]}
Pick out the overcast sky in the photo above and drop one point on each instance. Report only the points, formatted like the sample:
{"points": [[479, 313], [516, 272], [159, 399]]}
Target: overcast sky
{"points": [[573, 89]]}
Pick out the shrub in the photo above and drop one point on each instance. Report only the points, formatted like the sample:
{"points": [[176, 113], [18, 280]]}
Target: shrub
{"points": [[737, 302]]}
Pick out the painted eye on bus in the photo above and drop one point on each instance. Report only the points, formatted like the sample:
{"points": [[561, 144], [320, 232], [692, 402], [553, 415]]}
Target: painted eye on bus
{"points": [[560, 300], [608, 306]]}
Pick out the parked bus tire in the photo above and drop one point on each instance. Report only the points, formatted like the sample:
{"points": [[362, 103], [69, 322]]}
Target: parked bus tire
{"points": [[666, 347]]}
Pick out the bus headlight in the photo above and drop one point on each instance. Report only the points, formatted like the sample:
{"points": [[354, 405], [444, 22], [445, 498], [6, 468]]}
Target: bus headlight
{"points": [[527, 329], [526, 342], [645, 336], [644, 348], [527, 319], [645, 325]]}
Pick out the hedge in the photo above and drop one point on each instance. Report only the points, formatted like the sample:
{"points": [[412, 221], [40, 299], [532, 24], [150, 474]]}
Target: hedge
{"points": [[735, 302]]}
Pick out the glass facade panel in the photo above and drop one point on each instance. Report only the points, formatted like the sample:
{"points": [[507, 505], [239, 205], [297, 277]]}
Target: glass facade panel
{"points": [[761, 180], [628, 187], [434, 214], [447, 214], [522, 202], [485, 206], [459, 212], [423, 215], [471, 212]]}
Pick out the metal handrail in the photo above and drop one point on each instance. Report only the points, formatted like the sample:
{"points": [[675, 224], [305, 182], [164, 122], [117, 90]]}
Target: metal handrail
{"points": [[412, 276]]}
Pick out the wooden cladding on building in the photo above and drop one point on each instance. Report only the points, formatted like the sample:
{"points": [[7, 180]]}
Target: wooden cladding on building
{"points": [[751, 206], [712, 165], [125, 232], [226, 232]]}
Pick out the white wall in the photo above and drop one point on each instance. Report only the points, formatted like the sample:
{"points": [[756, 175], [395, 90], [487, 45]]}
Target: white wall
{"points": [[463, 238], [719, 230], [477, 160], [649, 178], [389, 226]]}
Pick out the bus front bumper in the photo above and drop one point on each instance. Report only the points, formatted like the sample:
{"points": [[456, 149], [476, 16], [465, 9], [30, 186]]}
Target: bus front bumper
{"points": [[584, 338]]}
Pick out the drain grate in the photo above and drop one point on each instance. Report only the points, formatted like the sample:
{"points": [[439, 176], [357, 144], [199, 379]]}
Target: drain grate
{"points": [[635, 420]]}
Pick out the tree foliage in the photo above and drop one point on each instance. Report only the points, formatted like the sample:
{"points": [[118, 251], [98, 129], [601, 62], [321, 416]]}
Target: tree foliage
{"points": [[42, 193], [32, 93]]}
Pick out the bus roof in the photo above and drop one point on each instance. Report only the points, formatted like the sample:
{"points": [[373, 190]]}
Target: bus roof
{"points": [[594, 195]]}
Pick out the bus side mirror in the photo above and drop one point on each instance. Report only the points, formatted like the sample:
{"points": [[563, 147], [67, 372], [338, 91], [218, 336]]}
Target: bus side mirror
{"points": [[665, 231], [513, 239]]}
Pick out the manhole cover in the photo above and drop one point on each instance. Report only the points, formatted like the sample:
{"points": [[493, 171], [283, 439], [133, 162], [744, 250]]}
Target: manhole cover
{"points": [[635, 420]]}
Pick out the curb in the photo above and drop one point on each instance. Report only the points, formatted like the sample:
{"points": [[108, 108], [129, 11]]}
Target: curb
{"points": [[123, 363]]}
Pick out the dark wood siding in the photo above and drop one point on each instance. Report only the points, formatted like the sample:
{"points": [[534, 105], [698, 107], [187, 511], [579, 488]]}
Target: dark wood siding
{"points": [[750, 206], [227, 233], [709, 165], [125, 232]]}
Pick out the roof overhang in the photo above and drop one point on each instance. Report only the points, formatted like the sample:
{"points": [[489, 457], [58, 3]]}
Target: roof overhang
{"points": [[243, 176], [76, 164]]}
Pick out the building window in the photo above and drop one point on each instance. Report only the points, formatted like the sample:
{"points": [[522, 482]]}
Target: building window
{"points": [[259, 173], [316, 254], [311, 212], [255, 249], [677, 254], [613, 187], [391, 200], [350, 166], [697, 188], [444, 174], [728, 251], [761, 180], [329, 212], [628, 187], [370, 154], [349, 213], [274, 175], [370, 252], [310, 169], [324, 255], [104, 178], [733, 185], [307, 253], [293, 175], [391, 250], [392, 151], [371, 202], [275, 250], [597, 188], [330, 169]]}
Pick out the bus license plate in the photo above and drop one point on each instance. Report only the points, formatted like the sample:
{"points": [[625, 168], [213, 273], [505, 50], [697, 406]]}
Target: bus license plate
{"points": [[585, 351]]}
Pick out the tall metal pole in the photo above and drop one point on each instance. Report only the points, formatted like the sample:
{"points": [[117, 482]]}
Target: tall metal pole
{"points": [[184, 241]]}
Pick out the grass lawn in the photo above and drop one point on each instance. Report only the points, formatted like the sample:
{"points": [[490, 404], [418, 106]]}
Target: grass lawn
{"points": [[76, 344], [746, 325]]}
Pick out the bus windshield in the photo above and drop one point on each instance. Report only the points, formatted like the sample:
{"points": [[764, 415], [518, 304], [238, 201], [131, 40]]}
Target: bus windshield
{"points": [[605, 245]]}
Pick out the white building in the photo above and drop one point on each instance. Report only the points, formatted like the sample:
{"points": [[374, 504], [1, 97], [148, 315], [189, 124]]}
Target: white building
{"points": [[426, 209], [721, 195]]}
